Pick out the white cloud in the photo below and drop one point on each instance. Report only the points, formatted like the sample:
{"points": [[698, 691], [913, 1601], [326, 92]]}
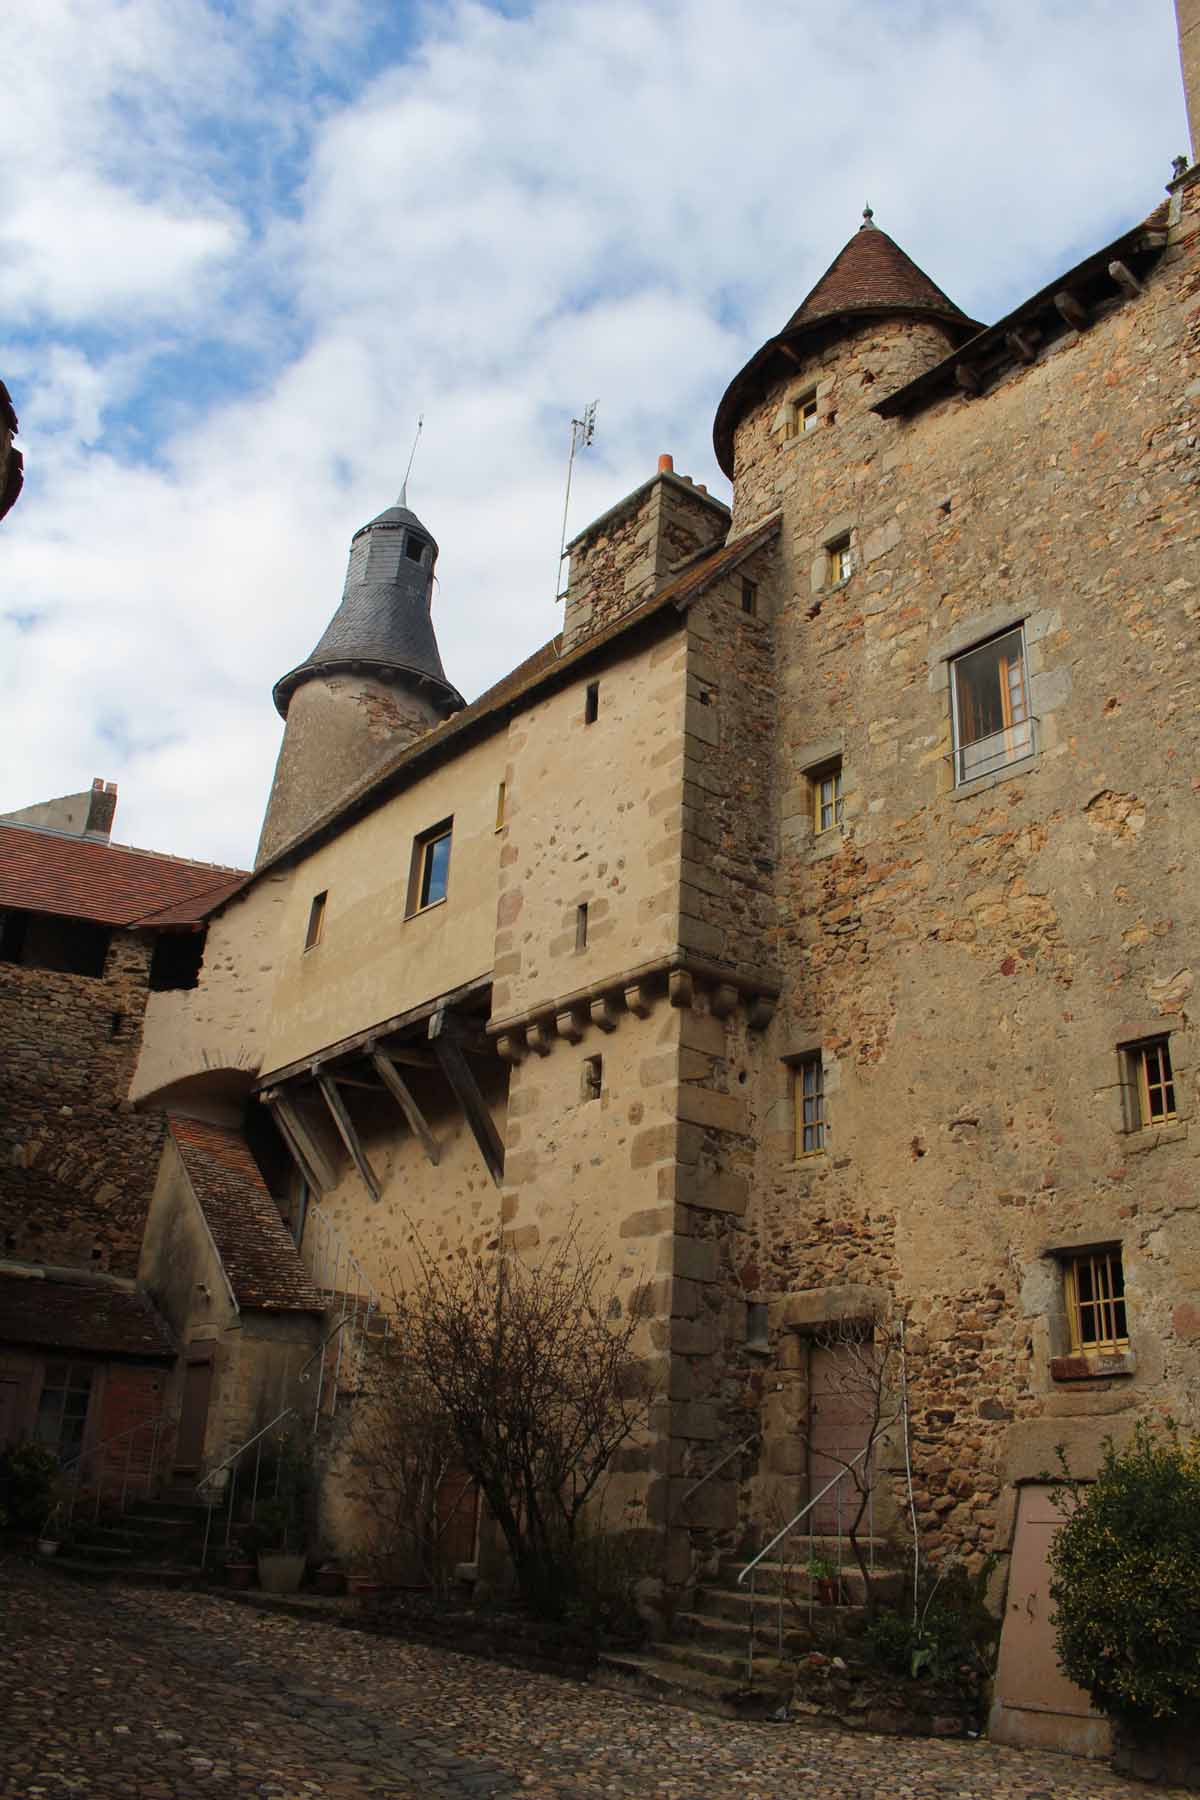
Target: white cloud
{"points": [[313, 221]]}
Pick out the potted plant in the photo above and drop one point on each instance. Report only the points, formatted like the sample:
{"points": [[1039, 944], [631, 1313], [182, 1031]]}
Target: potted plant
{"points": [[824, 1576], [331, 1578], [239, 1566], [50, 1535]]}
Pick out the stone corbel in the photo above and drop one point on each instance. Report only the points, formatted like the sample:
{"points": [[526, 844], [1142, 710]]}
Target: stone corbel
{"points": [[639, 998], [604, 1012], [680, 988], [511, 1046], [569, 1025], [724, 999], [760, 1011], [539, 1036]]}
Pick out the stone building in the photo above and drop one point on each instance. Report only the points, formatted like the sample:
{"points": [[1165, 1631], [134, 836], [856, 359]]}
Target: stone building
{"points": [[813, 919]]}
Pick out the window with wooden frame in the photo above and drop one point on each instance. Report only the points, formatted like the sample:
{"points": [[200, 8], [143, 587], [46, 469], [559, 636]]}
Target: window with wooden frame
{"points": [[749, 597], [841, 563], [430, 876], [1151, 1083], [804, 413], [316, 920], [63, 1408], [826, 785], [1094, 1291], [808, 1100], [989, 692]]}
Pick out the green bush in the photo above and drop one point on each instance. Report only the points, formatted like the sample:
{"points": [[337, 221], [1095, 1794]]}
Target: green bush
{"points": [[28, 1473], [1125, 1572], [951, 1637]]}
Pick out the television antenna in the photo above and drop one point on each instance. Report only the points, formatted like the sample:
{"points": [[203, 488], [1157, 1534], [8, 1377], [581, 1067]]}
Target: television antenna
{"points": [[582, 432]]}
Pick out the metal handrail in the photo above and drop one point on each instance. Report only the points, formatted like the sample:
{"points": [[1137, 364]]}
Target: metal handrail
{"points": [[717, 1467], [233, 1461], [97, 1455], [804, 1512]]}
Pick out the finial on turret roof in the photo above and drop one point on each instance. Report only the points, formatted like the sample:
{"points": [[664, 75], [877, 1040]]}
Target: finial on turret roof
{"points": [[403, 500], [868, 223]]}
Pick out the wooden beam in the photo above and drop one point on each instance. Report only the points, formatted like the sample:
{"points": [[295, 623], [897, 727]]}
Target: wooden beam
{"points": [[1125, 278], [459, 1074], [402, 1094], [967, 377], [1070, 310], [347, 1133], [313, 1163], [1024, 342]]}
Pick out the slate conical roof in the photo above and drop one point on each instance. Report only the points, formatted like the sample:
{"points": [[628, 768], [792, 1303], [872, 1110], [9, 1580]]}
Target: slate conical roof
{"points": [[869, 276], [384, 623]]}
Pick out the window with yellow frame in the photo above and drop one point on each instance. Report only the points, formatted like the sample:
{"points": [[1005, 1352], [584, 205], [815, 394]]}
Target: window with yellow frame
{"points": [[1094, 1284], [808, 1099], [1151, 1083], [826, 787]]}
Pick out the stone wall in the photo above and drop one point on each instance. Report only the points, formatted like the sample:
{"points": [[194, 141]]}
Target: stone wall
{"points": [[76, 1167], [968, 959]]}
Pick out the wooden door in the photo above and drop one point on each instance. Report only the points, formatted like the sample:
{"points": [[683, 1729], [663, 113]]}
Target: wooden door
{"points": [[839, 1423], [1035, 1704], [193, 1412]]}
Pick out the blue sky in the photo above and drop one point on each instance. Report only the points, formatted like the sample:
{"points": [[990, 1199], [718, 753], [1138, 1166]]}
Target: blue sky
{"points": [[242, 246]]}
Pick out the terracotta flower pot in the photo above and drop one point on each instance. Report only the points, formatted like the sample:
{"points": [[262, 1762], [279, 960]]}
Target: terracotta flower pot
{"points": [[365, 1589], [330, 1581], [239, 1574], [827, 1590]]}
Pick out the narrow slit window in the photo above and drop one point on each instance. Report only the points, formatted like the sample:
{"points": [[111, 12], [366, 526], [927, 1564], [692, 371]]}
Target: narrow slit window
{"points": [[591, 704], [501, 803], [316, 920], [808, 1085], [750, 598], [581, 926], [990, 697], [593, 1077], [1153, 1082], [1095, 1296], [827, 798]]}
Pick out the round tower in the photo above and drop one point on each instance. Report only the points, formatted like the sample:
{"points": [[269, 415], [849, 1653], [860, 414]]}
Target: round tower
{"points": [[373, 683]]}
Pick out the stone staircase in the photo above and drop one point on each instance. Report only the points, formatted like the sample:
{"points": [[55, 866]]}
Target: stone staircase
{"points": [[733, 1651], [155, 1541]]}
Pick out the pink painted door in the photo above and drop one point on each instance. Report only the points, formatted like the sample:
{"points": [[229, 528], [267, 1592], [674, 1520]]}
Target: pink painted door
{"points": [[1035, 1702], [839, 1423]]}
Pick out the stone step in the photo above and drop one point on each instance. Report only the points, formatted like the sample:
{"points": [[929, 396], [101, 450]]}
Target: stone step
{"points": [[87, 1533], [728, 1665], [164, 1510], [98, 1551], [677, 1684], [89, 1568], [724, 1634], [793, 1579]]}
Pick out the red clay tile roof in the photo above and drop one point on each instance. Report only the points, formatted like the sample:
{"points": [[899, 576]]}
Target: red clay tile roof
{"points": [[870, 275], [260, 1259], [113, 884], [80, 1315]]}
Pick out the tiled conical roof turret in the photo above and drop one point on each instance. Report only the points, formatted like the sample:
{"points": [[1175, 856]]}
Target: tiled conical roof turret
{"points": [[871, 275], [384, 623]]}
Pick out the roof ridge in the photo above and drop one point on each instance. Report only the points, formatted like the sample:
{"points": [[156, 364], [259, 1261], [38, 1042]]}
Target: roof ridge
{"points": [[103, 843]]}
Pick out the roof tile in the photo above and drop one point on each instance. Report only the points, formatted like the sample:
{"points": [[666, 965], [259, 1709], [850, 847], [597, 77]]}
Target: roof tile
{"points": [[113, 884], [259, 1257], [80, 1315]]}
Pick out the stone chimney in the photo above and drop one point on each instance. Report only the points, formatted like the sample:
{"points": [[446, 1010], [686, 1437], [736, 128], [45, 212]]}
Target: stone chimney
{"points": [[102, 809], [631, 551]]}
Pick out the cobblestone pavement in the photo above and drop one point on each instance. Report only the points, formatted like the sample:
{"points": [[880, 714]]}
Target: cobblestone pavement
{"points": [[127, 1695]]}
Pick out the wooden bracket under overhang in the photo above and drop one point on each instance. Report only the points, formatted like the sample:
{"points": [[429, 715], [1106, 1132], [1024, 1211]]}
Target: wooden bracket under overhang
{"points": [[448, 1035]]}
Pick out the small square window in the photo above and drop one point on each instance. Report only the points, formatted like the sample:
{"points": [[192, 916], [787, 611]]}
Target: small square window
{"points": [[593, 1077], [316, 921], [826, 787], [990, 701], [808, 1097], [591, 703], [501, 804], [804, 413], [430, 875], [841, 563], [750, 598], [1151, 1083], [1094, 1284]]}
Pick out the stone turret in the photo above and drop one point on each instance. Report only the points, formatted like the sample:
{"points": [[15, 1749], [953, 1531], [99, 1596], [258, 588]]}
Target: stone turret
{"points": [[373, 683]]}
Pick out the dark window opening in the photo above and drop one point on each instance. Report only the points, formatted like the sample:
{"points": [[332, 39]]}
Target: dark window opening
{"points": [[316, 920], [414, 548], [581, 926], [45, 941], [593, 1077], [750, 597], [176, 961], [591, 705]]}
